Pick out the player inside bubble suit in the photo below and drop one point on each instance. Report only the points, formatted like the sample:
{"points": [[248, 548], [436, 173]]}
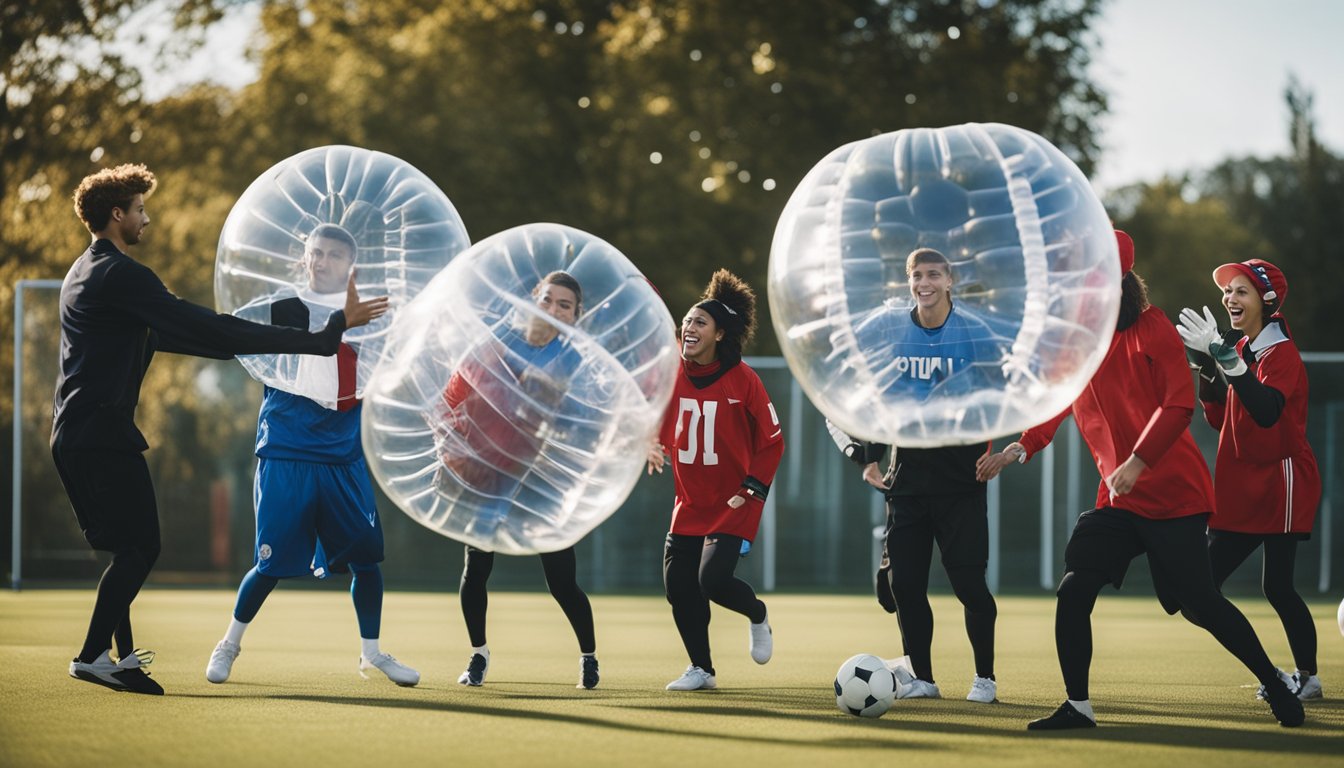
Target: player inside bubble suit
{"points": [[491, 428]]}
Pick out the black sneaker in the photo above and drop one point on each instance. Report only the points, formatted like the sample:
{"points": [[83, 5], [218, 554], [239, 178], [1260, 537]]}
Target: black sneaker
{"points": [[126, 675], [1065, 717], [588, 676], [1286, 706], [475, 672]]}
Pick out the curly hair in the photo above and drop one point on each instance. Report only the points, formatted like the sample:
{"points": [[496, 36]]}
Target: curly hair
{"points": [[1133, 300], [99, 193], [734, 293]]}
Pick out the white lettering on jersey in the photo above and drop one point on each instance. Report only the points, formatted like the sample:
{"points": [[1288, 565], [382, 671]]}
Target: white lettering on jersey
{"points": [[711, 409], [924, 368]]}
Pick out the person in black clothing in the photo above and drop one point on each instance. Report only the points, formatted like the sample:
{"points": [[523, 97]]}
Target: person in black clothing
{"points": [[932, 493], [115, 314]]}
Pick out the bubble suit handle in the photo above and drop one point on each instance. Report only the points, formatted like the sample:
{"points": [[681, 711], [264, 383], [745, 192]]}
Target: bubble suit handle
{"points": [[495, 422], [399, 226], [1035, 289]]}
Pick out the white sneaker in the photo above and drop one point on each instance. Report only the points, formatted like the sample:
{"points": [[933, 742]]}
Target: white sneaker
{"points": [[474, 675], [99, 671], [126, 675], [221, 661], [1285, 678], [918, 689], [762, 642], [901, 669], [396, 671], [693, 679], [983, 690], [1308, 686]]}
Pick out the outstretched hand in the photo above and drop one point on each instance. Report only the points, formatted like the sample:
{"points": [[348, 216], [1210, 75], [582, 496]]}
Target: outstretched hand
{"points": [[989, 465], [656, 459], [1198, 332], [358, 312]]}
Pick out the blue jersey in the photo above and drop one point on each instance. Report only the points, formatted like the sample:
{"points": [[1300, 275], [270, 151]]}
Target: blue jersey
{"points": [[914, 361], [295, 428]]}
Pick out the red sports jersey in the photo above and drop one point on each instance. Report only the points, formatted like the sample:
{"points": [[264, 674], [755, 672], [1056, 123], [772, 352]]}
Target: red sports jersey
{"points": [[1267, 479], [1140, 401], [716, 436]]}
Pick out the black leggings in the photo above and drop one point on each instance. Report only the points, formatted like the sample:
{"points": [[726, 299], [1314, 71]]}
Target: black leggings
{"points": [[113, 498], [561, 569], [697, 570], [1098, 553], [1228, 550]]}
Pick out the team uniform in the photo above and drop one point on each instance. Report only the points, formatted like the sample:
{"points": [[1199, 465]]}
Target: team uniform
{"points": [[933, 495], [493, 445], [1141, 401], [721, 431], [115, 314], [1267, 482]]}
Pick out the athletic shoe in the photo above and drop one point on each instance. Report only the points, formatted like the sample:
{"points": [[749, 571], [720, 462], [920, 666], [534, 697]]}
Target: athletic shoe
{"points": [[1064, 718], [1287, 680], [762, 642], [917, 689], [221, 661], [693, 679], [1308, 686], [125, 675], [983, 690], [396, 671], [474, 675], [1285, 705], [588, 676]]}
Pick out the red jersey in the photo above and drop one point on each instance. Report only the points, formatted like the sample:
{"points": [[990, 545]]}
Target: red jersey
{"points": [[716, 436], [1141, 401], [1267, 479]]}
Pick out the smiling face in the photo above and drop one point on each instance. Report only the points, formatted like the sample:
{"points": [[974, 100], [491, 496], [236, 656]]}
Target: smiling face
{"points": [[329, 261], [1245, 308], [560, 303], [700, 337], [931, 286]]}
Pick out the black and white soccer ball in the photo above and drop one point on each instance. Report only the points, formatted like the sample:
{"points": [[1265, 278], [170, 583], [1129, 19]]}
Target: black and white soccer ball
{"points": [[864, 687]]}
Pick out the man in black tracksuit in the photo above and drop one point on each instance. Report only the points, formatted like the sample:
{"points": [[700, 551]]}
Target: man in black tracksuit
{"points": [[115, 313]]}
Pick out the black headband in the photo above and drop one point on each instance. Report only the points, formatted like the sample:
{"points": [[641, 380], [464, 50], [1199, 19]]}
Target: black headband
{"points": [[724, 316]]}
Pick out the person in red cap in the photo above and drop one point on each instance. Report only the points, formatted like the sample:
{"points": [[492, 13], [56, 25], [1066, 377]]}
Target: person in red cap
{"points": [[1266, 480], [1155, 498]]}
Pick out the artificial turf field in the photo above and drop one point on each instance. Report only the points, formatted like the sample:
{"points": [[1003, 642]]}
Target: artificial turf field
{"points": [[1165, 692]]}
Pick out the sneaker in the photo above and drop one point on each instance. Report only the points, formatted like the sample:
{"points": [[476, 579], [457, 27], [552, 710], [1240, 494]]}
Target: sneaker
{"points": [[762, 642], [125, 675], [1308, 685], [221, 661], [983, 690], [1285, 705], [917, 689], [1064, 718], [1287, 681], [693, 679], [396, 671], [475, 672], [588, 676]]}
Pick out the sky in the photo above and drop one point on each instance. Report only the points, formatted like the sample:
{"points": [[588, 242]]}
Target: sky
{"points": [[1190, 82]]}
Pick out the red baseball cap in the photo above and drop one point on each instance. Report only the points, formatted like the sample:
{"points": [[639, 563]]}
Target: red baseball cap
{"points": [[1126, 244], [1266, 278]]}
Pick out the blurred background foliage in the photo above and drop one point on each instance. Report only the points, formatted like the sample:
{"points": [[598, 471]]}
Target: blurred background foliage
{"points": [[675, 130]]}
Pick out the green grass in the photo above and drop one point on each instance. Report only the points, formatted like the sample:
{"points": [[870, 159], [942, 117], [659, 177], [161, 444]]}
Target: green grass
{"points": [[1164, 691]]}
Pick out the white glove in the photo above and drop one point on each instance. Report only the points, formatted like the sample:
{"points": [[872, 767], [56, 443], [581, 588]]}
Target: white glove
{"points": [[1198, 332]]}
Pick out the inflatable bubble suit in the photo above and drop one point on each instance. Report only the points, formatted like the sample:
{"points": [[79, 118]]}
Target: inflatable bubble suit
{"points": [[497, 423], [284, 256], [1035, 272]]}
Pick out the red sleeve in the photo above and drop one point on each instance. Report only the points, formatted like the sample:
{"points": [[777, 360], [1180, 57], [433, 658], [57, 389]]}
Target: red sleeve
{"points": [[1035, 439], [1213, 413], [769, 438], [1174, 388], [1281, 368]]}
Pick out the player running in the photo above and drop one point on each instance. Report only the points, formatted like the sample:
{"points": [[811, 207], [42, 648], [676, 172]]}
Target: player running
{"points": [[1154, 498], [314, 501], [725, 441], [1266, 482]]}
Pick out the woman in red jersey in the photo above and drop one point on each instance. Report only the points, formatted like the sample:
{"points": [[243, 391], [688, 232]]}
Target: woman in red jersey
{"points": [[725, 443], [1267, 485], [1154, 499]]}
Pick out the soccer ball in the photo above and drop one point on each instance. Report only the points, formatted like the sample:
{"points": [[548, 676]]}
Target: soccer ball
{"points": [[864, 687]]}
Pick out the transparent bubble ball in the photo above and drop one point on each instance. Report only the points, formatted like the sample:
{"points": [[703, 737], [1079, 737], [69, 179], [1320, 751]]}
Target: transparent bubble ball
{"points": [[1036, 278], [501, 425], [282, 255]]}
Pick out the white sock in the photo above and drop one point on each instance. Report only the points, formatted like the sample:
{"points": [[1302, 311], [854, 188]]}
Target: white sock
{"points": [[1084, 708], [236, 630], [484, 650], [369, 647], [592, 655]]}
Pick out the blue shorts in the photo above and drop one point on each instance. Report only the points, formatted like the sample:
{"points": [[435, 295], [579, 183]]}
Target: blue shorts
{"points": [[314, 517]]}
